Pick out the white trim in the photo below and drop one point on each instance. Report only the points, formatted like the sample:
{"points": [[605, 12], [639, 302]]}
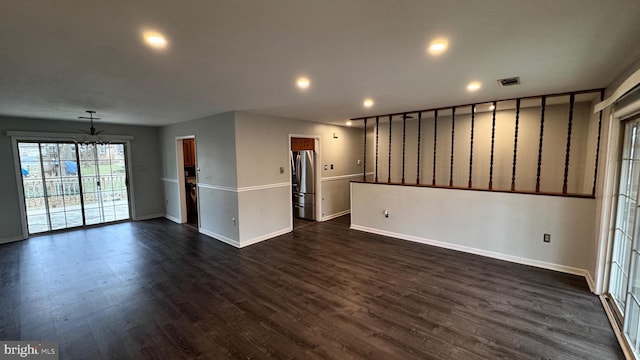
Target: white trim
{"points": [[130, 180], [19, 185], [632, 81], [467, 249], [185, 137], [217, 187], [224, 239], [12, 239], [182, 191], [262, 187], [628, 354], [343, 177], [590, 282], [147, 217], [336, 215], [174, 219], [260, 238], [607, 186], [41, 135], [169, 180], [243, 189]]}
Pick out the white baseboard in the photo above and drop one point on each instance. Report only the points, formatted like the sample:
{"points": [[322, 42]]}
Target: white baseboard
{"points": [[148, 217], [336, 215], [487, 253], [12, 239], [628, 353], [260, 238], [174, 219], [224, 239], [590, 282]]}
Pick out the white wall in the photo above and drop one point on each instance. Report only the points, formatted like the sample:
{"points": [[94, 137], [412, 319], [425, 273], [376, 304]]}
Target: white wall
{"points": [[262, 145], [144, 180], [217, 179], [501, 225], [243, 197]]}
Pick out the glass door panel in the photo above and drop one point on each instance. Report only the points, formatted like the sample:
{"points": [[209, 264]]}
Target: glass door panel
{"points": [[67, 185], [625, 218], [33, 186], [104, 175]]}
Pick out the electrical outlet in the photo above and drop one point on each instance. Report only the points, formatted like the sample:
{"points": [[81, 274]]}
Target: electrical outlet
{"points": [[233, 220], [386, 213], [546, 238]]}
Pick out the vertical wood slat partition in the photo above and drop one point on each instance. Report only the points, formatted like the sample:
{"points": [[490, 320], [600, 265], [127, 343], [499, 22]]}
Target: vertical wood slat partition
{"points": [[473, 118], [364, 157], [572, 99], [377, 133], [453, 131], [595, 169], [515, 147], [542, 109], [404, 137], [390, 142], [419, 137], [497, 146], [493, 143], [435, 144]]}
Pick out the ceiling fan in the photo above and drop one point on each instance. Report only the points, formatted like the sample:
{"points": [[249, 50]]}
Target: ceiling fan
{"points": [[92, 130]]}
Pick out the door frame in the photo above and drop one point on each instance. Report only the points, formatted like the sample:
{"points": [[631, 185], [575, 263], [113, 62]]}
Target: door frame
{"points": [[607, 187], [182, 191], [38, 136], [317, 180], [606, 191]]}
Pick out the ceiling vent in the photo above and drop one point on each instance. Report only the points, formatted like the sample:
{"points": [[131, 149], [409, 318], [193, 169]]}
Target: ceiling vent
{"points": [[509, 81]]}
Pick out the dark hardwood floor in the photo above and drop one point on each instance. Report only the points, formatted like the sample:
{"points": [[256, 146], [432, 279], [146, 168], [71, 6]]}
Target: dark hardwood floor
{"points": [[155, 289]]}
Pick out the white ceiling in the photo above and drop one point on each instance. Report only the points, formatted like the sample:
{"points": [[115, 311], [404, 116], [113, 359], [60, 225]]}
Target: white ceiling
{"points": [[59, 58]]}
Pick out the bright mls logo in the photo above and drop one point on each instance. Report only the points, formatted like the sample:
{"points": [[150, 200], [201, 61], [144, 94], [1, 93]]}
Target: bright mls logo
{"points": [[32, 350]]}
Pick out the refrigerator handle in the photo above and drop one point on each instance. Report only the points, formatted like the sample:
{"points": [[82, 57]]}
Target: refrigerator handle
{"points": [[298, 165]]}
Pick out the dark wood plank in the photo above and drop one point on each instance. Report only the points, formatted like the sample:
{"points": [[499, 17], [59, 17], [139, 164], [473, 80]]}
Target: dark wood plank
{"points": [[154, 289]]}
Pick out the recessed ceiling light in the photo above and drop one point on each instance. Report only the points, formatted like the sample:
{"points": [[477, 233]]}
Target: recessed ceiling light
{"points": [[474, 86], [438, 46], [349, 123], [368, 103], [155, 40], [303, 83]]}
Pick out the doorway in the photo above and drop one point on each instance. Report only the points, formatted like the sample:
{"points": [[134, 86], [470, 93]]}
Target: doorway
{"points": [[304, 194], [68, 185], [188, 173]]}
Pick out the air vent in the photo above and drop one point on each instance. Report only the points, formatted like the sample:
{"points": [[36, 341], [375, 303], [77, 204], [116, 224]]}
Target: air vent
{"points": [[509, 81]]}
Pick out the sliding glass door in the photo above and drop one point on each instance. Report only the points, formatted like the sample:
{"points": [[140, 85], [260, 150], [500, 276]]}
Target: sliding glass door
{"points": [[59, 194], [624, 274], [104, 183]]}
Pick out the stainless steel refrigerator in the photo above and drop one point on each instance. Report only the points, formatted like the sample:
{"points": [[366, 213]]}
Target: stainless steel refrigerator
{"points": [[303, 184]]}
